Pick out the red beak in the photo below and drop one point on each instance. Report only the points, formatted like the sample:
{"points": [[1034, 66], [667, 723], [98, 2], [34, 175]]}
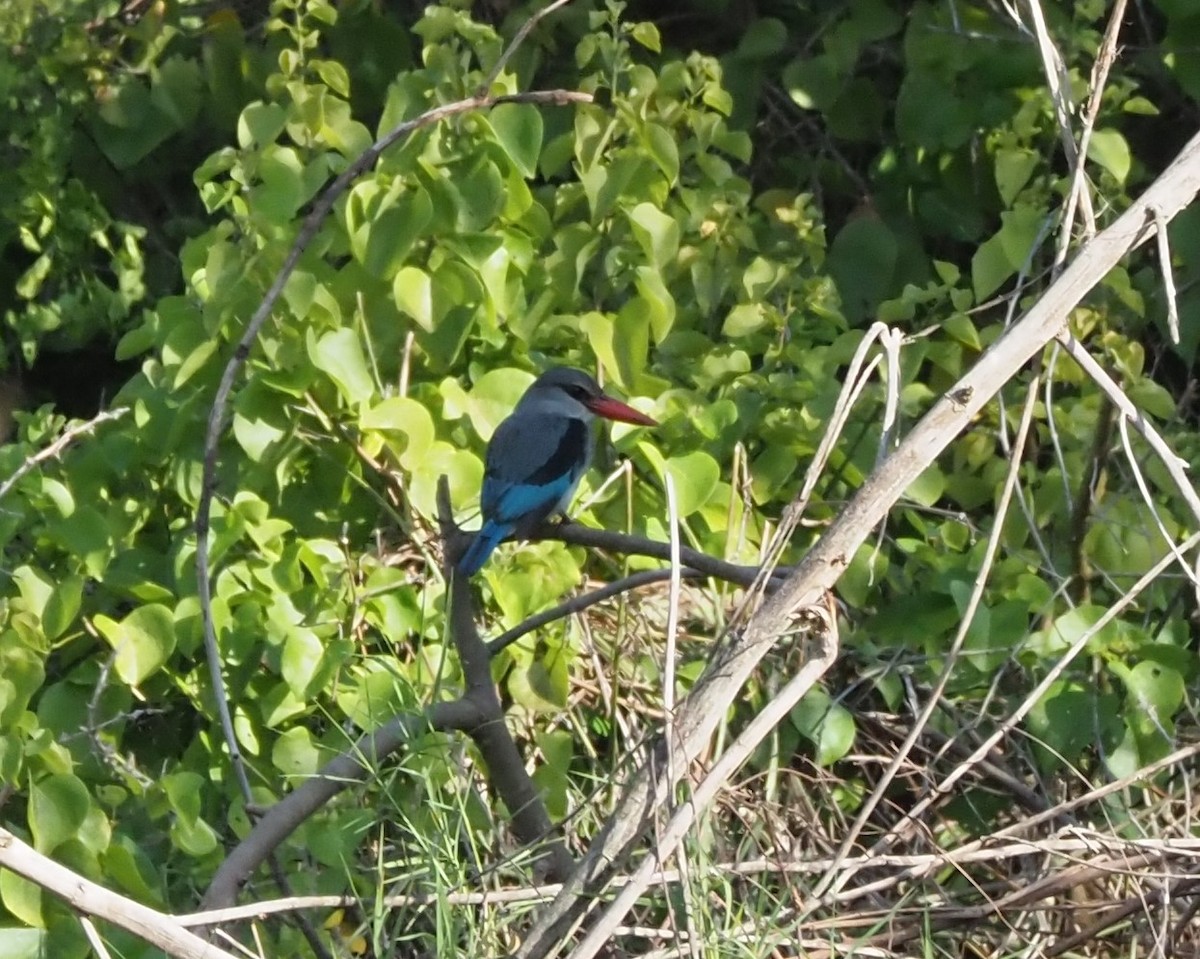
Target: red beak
{"points": [[612, 409]]}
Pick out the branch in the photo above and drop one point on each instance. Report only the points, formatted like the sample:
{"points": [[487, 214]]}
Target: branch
{"points": [[352, 766], [576, 534], [577, 604], [506, 768], [820, 569], [87, 897], [68, 437]]}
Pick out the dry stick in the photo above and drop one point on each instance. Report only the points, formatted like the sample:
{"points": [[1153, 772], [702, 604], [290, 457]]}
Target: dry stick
{"points": [[1176, 466], [1116, 914], [968, 617], [966, 852], [702, 710], [1104, 61], [68, 437], [87, 897], [979, 851], [1168, 278], [669, 653], [942, 788], [1059, 84]]}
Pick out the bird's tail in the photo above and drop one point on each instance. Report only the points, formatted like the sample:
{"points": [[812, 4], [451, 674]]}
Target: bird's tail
{"points": [[486, 540]]}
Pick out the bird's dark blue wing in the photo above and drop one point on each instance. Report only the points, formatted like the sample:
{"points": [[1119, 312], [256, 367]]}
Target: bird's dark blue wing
{"points": [[533, 465]]}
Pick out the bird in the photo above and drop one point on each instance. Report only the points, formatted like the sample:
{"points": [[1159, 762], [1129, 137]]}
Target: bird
{"points": [[537, 456]]}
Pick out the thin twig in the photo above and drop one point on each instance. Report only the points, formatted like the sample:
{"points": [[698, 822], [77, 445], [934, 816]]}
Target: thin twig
{"points": [[577, 604], [1174, 465], [1104, 61], [1168, 276], [68, 437], [579, 535]]}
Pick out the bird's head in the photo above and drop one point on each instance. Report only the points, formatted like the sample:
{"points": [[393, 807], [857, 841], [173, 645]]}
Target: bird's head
{"points": [[572, 392]]}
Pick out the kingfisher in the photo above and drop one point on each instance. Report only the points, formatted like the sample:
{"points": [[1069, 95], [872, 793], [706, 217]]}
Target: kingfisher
{"points": [[537, 456]]}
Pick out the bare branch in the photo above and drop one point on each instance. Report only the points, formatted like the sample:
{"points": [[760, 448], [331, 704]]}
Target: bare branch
{"points": [[87, 897], [577, 604], [577, 534], [68, 437], [352, 766]]}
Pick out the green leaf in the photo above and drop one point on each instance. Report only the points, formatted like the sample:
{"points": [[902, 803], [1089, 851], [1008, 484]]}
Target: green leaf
{"points": [[661, 145], [1008, 251], [17, 943], [928, 487], [407, 417], [1154, 689], [631, 341], [1014, 167], [392, 234], [373, 700], [281, 190], [1064, 722], [62, 607], [646, 34], [493, 397], [58, 807], [195, 837], [23, 899], [413, 291], [260, 124], [539, 686], [339, 354], [295, 754], [1068, 628], [959, 326], [827, 725], [1109, 149], [22, 674], [334, 76], [695, 475], [656, 233], [762, 39], [301, 659], [518, 128], [144, 640], [812, 83], [482, 193], [862, 262], [132, 870], [552, 776]]}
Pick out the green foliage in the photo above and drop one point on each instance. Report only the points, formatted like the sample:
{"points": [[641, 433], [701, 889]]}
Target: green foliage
{"points": [[653, 235]]}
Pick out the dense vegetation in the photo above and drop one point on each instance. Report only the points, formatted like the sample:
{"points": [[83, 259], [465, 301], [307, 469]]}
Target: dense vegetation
{"points": [[751, 189]]}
